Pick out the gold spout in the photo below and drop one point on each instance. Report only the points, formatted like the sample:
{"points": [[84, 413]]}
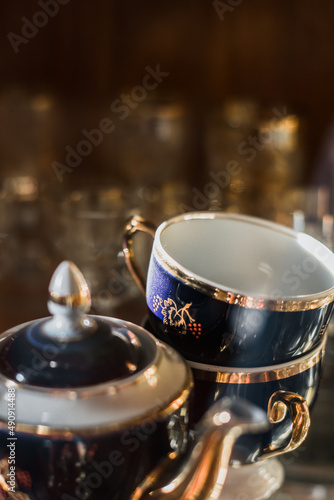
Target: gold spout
{"points": [[201, 473]]}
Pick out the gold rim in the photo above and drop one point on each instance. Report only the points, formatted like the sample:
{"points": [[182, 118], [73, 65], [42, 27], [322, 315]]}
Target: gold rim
{"points": [[303, 303], [247, 376], [68, 434], [171, 404]]}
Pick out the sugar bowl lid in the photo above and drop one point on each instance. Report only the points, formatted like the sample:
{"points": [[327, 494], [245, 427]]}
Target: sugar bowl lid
{"points": [[78, 373]]}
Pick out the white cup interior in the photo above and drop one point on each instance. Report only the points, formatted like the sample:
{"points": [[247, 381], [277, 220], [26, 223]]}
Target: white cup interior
{"points": [[247, 255]]}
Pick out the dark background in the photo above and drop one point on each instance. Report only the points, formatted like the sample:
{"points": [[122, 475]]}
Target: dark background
{"points": [[277, 52], [280, 53]]}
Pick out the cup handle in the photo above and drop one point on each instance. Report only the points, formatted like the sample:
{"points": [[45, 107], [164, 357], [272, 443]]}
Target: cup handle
{"points": [[136, 224], [279, 403]]}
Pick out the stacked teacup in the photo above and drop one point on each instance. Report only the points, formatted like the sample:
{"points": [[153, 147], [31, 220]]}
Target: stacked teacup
{"points": [[247, 302]]}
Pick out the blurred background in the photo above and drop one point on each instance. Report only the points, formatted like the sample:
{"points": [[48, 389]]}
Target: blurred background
{"points": [[165, 107], [109, 108]]}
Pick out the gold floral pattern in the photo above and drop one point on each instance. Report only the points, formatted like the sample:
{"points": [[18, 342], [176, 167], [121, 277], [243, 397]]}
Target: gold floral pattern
{"points": [[173, 316]]}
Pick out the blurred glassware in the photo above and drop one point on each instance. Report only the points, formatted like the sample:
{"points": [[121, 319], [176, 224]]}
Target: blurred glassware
{"points": [[158, 203], [152, 143], [307, 209], [8, 243], [280, 156], [88, 230], [323, 169], [29, 125], [226, 134], [25, 254], [254, 153], [29, 135]]}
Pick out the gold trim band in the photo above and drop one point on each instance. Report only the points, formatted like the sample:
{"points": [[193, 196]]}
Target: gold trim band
{"points": [[68, 434], [305, 303], [279, 305], [246, 376]]}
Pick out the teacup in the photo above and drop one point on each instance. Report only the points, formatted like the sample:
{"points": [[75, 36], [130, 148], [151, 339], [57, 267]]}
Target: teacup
{"points": [[233, 290], [287, 392]]}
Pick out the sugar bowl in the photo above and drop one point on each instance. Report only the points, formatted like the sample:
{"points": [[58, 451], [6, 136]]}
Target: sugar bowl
{"points": [[97, 408]]}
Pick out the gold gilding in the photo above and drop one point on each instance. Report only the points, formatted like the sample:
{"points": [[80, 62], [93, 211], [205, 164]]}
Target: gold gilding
{"points": [[300, 416], [136, 224], [256, 377], [73, 300], [310, 302], [70, 433], [280, 305]]}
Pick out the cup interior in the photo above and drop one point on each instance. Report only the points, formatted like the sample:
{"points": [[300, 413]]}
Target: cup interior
{"points": [[246, 255]]}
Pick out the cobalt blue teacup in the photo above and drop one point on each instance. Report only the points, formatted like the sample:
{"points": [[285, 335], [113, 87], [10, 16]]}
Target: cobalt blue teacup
{"points": [[233, 290], [286, 392]]}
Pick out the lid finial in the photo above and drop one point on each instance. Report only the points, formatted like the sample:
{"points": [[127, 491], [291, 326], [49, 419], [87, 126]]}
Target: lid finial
{"points": [[69, 288], [69, 300]]}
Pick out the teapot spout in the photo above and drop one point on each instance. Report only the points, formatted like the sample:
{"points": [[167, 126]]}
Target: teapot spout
{"points": [[200, 474]]}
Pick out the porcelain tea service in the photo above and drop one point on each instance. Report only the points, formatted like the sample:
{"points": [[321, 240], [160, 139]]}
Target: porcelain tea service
{"points": [[234, 290], [94, 408], [222, 376], [246, 302]]}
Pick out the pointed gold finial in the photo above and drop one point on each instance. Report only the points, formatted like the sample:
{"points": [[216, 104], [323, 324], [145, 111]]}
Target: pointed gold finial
{"points": [[69, 300], [69, 288]]}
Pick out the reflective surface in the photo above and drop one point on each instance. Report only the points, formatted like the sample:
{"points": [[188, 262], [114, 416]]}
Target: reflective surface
{"points": [[100, 468], [309, 470], [211, 331], [211, 321], [295, 381], [109, 353]]}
